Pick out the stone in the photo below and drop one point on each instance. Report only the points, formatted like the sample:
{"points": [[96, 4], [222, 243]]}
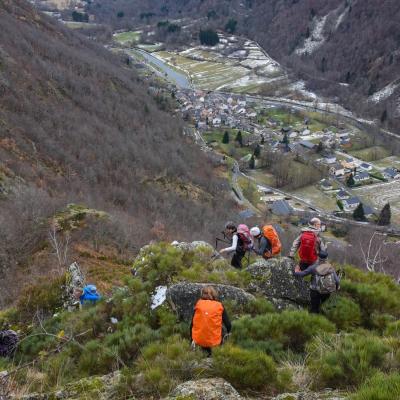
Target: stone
{"points": [[326, 395], [274, 278], [206, 389], [196, 246], [183, 296], [74, 285]]}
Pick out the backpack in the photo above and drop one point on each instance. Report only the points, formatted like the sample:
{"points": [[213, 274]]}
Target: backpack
{"points": [[269, 232], [325, 279], [243, 232], [207, 323], [307, 250]]}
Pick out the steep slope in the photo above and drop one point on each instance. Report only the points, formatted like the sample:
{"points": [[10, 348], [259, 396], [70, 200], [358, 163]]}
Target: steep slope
{"points": [[78, 126], [346, 48]]}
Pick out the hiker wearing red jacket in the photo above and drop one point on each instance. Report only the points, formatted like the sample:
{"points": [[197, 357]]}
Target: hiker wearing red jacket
{"points": [[308, 244]]}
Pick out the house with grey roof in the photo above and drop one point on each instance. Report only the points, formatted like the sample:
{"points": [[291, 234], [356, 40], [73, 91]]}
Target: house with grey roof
{"points": [[391, 173], [307, 144], [361, 177], [281, 207], [351, 204]]}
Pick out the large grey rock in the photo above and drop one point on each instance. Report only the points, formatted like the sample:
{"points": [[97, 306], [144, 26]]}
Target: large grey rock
{"points": [[327, 395], [274, 278], [75, 284], [183, 296], [196, 246], [206, 389]]}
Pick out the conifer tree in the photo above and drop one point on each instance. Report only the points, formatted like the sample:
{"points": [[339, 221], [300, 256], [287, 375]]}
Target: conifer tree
{"points": [[225, 139], [350, 181], [239, 138], [257, 151], [252, 162], [358, 213], [385, 215]]}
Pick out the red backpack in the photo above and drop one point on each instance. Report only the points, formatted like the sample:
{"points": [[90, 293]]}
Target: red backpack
{"points": [[307, 250], [243, 232]]}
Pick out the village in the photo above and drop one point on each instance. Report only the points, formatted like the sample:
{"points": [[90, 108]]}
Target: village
{"points": [[312, 139]]}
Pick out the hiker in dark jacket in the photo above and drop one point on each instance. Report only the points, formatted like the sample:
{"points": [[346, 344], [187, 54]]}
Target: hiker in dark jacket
{"points": [[308, 244], [237, 245], [316, 270], [208, 321]]}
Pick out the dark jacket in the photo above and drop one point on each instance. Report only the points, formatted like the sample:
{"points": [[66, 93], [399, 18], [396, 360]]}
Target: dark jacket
{"points": [[263, 245]]}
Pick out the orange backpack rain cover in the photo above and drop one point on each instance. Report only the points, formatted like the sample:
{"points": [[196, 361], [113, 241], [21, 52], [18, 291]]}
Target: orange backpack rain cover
{"points": [[207, 323], [270, 233]]}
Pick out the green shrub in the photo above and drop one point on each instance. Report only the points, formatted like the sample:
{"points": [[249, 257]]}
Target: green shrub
{"points": [[345, 360], [381, 321], [342, 311], [393, 329], [44, 298], [259, 306], [166, 364], [274, 332], [379, 387], [245, 368]]}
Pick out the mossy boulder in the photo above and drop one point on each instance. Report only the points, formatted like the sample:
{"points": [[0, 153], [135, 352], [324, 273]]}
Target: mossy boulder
{"points": [[205, 389], [274, 278], [93, 388], [183, 296]]}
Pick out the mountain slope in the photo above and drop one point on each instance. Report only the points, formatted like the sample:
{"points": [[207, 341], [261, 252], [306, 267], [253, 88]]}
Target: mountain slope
{"points": [[78, 126]]}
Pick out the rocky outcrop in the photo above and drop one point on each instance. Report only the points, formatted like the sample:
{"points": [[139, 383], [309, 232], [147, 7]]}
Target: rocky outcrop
{"points": [[206, 389], [197, 246], [274, 278], [74, 285], [97, 387], [183, 296], [328, 395]]}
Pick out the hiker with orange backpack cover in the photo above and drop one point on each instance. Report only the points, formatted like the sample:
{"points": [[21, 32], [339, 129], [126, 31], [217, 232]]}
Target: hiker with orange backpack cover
{"points": [[241, 241], [269, 244], [308, 244], [209, 317]]}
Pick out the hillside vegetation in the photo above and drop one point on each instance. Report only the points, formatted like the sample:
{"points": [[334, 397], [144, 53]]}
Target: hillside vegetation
{"points": [[354, 346], [77, 125]]}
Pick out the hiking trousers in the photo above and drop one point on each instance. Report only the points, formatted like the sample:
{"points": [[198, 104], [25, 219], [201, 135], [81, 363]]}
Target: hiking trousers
{"points": [[237, 258], [317, 299]]}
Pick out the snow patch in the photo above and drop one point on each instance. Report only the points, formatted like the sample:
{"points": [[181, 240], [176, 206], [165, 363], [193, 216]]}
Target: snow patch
{"points": [[316, 38], [340, 18], [384, 93], [159, 296]]}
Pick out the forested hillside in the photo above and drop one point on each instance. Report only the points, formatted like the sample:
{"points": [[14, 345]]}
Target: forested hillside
{"points": [[78, 126], [345, 48]]}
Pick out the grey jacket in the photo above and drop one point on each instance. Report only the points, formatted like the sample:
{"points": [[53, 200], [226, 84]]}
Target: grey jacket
{"points": [[319, 244], [312, 270]]}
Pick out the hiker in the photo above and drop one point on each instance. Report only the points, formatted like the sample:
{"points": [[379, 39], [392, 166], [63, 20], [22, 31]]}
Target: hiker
{"points": [[241, 242], [8, 342], [209, 318], [89, 295], [324, 281], [269, 244], [309, 244]]}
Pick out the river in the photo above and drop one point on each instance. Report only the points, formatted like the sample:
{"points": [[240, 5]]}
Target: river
{"points": [[178, 78]]}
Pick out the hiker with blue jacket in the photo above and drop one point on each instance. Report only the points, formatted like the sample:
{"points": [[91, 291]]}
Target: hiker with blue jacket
{"points": [[324, 281]]}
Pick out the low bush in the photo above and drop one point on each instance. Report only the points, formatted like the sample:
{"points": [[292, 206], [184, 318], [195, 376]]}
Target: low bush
{"points": [[164, 365], [393, 329], [379, 387], [275, 332], [245, 369], [343, 312], [345, 360]]}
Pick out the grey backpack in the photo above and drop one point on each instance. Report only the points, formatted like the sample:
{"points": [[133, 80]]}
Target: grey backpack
{"points": [[325, 279]]}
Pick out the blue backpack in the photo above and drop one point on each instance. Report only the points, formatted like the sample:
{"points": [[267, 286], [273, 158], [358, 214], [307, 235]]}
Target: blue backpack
{"points": [[90, 295]]}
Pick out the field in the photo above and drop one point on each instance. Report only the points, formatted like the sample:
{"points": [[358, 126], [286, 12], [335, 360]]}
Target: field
{"points": [[313, 195], [232, 148], [371, 153], [379, 195], [127, 37], [392, 161]]}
